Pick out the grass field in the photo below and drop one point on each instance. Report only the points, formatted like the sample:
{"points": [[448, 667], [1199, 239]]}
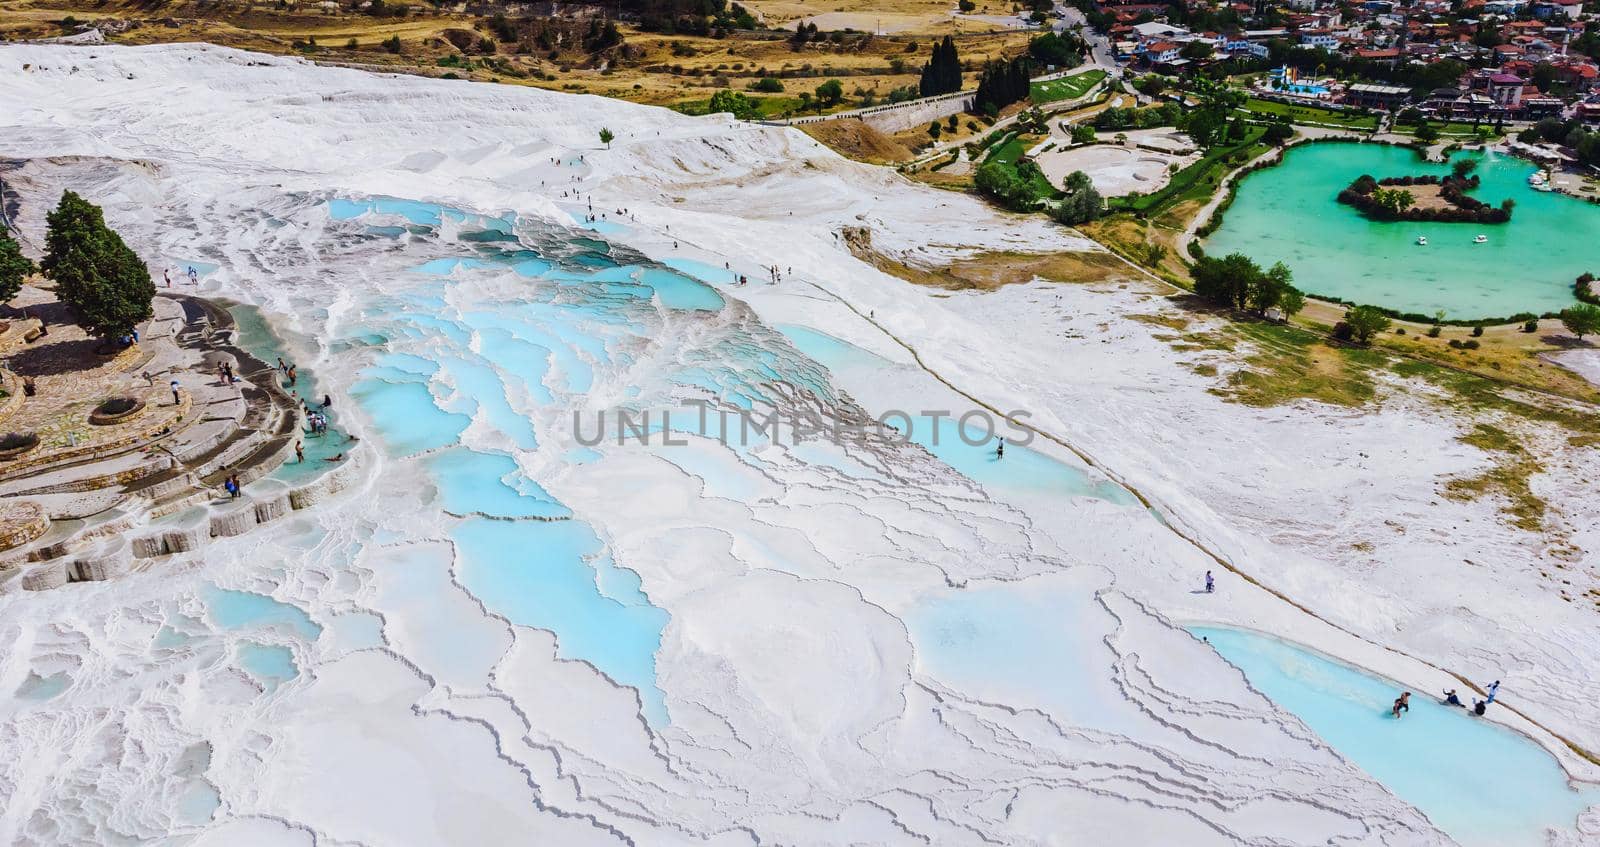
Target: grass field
{"points": [[1448, 128], [1200, 180], [1311, 114], [1065, 88]]}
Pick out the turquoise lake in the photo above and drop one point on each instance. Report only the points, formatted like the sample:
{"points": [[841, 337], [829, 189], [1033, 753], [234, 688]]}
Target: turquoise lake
{"points": [[1289, 213]]}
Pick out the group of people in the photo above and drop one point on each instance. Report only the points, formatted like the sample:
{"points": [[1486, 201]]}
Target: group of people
{"points": [[225, 373], [1451, 698], [194, 276], [288, 370]]}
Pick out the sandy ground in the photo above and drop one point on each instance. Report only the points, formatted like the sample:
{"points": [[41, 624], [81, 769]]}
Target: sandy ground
{"points": [[806, 705]]}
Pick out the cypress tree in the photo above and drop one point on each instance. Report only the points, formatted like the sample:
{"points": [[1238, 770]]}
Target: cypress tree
{"points": [[942, 73], [96, 274], [14, 267]]}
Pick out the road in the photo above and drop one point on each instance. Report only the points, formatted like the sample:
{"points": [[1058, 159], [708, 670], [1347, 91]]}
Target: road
{"points": [[1099, 45]]}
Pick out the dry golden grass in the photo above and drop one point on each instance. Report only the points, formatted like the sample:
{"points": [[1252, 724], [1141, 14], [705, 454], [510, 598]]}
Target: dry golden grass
{"points": [[675, 70], [858, 140]]}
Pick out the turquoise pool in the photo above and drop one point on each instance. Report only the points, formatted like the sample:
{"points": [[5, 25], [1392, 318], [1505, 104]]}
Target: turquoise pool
{"points": [[1480, 783]]}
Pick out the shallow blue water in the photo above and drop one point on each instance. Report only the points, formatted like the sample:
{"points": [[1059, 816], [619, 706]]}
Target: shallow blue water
{"points": [[241, 609], [676, 291], [405, 414], [553, 576], [490, 484], [38, 688], [255, 336], [702, 271], [1480, 783], [270, 664]]}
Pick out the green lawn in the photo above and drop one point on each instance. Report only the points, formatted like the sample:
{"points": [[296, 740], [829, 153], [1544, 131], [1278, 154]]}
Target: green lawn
{"points": [[1450, 128], [1311, 114], [1200, 179], [1065, 88]]}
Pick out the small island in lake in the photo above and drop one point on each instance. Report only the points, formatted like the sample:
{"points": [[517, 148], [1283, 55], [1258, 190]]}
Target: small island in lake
{"points": [[1425, 198]]}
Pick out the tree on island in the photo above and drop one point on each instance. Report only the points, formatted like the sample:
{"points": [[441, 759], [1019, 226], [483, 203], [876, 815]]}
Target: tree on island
{"points": [[14, 267], [96, 274], [1582, 319], [1462, 167], [1364, 322], [606, 137]]}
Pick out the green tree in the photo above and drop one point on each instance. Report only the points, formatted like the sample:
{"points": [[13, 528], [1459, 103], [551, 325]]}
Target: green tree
{"points": [[392, 44], [1278, 133], [1582, 319], [732, 102], [830, 93], [1427, 133], [1083, 134], [1226, 281], [933, 130], [96, 274], [1462, 167], [1366, 322], [606, 137], [1293, 301], [14, 267], [1081, 202], [942, 74]]}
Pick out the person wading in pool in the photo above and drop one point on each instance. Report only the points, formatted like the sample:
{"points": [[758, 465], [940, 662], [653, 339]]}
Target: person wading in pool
{"points": [[1450, 699], [1000, 449], [1403, 703]]}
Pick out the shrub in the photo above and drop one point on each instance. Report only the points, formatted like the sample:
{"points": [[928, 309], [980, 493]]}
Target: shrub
{"points": [[1433, 331], [1399, 330], [1531, 326], [392, 44], [1365, 322], [767, 85], [1477, 330]]}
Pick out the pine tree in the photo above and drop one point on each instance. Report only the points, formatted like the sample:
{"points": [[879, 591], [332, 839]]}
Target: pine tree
{"points": [[96, 274], [14, 267]]}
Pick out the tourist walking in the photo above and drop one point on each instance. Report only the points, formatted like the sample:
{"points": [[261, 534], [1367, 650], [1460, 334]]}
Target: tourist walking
{"points": [[174, 392], [1211, 583], [299, 452], [1000, 449], [1493, 690]]}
